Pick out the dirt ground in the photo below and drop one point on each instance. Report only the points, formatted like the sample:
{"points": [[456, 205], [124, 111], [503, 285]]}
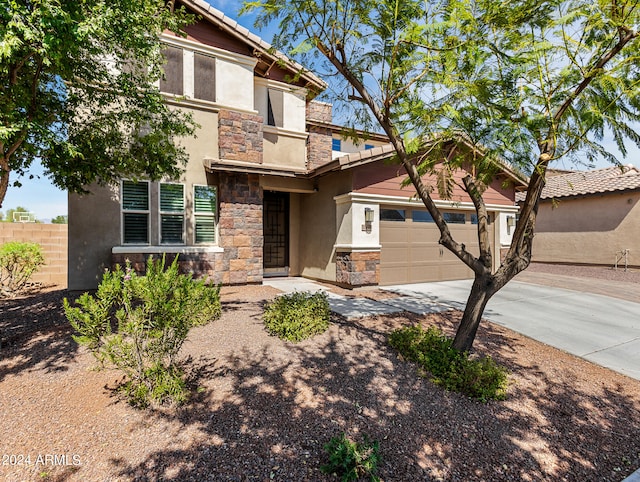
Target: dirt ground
{"points": [[264, 408]]}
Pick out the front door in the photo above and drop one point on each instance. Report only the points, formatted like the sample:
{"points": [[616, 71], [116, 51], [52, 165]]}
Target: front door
{"points": [[276, 233]]}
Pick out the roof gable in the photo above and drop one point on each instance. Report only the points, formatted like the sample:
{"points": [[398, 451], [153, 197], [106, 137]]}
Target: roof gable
{"points": [[218, 30]]}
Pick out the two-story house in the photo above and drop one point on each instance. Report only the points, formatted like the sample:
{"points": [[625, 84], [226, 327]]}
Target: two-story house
{"points": [[271, 187]]}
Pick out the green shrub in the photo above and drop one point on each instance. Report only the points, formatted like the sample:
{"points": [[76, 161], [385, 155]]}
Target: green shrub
{"points": [[298, 315], [481, 378], [139, 323], [352, 460], [18, 262]]}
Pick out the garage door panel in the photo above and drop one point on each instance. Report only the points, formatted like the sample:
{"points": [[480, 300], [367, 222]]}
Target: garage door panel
{"points": [[411, 252]]}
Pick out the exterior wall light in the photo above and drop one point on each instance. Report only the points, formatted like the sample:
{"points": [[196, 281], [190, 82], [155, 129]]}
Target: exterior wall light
{"points": [[368, 215], [368, 220]]}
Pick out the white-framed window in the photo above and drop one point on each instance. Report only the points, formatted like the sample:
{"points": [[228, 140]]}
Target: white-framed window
{"points": [[135, 212], [172, 216], [205, 200]]}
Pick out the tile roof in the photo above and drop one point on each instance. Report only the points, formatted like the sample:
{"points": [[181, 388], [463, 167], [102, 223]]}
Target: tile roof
{"points": [[580, 183], [217, 17]]}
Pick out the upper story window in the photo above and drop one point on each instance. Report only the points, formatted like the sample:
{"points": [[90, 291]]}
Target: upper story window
{"points": [[204, 85], [135, 212], [171, 213], [368, 146], [189, 73], [336, 145]]}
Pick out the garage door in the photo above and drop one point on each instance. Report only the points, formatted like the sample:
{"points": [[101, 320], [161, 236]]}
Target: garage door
{"points": [[410, 250]]}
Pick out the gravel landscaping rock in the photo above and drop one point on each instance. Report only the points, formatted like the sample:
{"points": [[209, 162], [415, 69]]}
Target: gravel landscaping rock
{"points": [[263, 408]]}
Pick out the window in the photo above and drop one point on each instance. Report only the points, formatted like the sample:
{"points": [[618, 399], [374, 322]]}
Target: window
{"points": [[172, 80], [275, 107], [422, 217], [368, 146], [392, 215], [336, 144], [454, 218], [204, 202], [171, 213], [135, 212], [204, 85], [474, 218]]}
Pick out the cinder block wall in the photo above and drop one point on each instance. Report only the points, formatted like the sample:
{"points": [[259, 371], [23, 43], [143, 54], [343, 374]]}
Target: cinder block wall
{"points": [[53, 240]]}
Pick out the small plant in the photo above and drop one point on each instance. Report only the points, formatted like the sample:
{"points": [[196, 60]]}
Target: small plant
{"points": [[481, 378], [352, 460], [139, 323], [298, 315], [18, 262]]}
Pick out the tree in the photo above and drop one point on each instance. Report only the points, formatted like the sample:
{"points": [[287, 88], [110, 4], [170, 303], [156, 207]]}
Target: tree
{"points": [[60, 219], [77, 91], [524, 82]]}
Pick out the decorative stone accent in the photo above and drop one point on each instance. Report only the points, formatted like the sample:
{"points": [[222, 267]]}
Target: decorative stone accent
{"points": [[240, 136], [318, 146], [319, 140], [200, 265], [319, 112], [358, 268], [240, 228]]}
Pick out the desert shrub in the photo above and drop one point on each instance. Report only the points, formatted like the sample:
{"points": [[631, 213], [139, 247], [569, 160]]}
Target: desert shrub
{"points": [[479, 378], [18, 262], [352, 460], [139, 323], [298, 315]]}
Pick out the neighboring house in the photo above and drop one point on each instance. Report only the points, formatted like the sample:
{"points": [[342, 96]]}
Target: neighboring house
{"points": [[263, 193], [589, 217]]}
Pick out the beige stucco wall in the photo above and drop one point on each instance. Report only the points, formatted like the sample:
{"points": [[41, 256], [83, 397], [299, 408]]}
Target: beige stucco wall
{"points": [[588, 230], [284, 150], [318, 231], [94, 227]]}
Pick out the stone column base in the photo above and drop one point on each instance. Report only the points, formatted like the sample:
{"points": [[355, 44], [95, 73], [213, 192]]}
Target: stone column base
{"points": [[358, 268]]}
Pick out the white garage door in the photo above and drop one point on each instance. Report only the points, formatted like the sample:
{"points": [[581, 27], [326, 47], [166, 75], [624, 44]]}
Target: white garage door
{"points": [[410, 250]]}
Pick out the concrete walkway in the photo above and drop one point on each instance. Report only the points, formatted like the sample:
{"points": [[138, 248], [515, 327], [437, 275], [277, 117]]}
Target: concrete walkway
{"points": [[597, 328]]}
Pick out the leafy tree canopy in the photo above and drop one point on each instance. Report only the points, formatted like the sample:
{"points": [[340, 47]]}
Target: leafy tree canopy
{"points": [[524, 82], [60, 219], [77, 91]]}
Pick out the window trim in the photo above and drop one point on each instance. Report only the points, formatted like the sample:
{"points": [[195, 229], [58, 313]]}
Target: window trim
{"points": [[182, 213], [213, 215], [124, 211]]}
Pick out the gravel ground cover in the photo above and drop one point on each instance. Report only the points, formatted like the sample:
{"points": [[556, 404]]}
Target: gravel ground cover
{"points": [[264, 408]]}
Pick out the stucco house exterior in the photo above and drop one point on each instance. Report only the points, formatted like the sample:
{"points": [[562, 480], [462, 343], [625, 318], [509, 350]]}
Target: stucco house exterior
{"points": [[589, 217], [272, 188]]}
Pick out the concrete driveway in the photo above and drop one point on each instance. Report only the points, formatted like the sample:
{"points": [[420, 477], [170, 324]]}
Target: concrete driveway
{"points": [[598, 328]]}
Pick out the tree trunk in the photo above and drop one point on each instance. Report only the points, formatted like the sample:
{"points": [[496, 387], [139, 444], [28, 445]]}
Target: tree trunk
{"points": [[484, 287], [4, 178]]}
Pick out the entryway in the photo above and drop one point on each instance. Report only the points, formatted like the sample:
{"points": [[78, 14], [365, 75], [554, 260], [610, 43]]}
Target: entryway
{"points": [[276, 233]]}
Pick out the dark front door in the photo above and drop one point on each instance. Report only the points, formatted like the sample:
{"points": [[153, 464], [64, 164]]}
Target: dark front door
{"points": [[276, 233]]}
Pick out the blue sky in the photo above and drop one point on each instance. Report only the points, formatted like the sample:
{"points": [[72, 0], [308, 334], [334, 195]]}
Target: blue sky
{"points": [[39, 195]]}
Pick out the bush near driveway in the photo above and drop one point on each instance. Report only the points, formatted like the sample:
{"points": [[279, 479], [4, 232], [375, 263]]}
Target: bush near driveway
{"points": [[479, 378]]}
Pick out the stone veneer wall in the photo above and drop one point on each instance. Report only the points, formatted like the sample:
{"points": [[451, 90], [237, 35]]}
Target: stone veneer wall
{"points": [[240, 136], [240, 228], [240, 235], [319, 141], [358, 268]]}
